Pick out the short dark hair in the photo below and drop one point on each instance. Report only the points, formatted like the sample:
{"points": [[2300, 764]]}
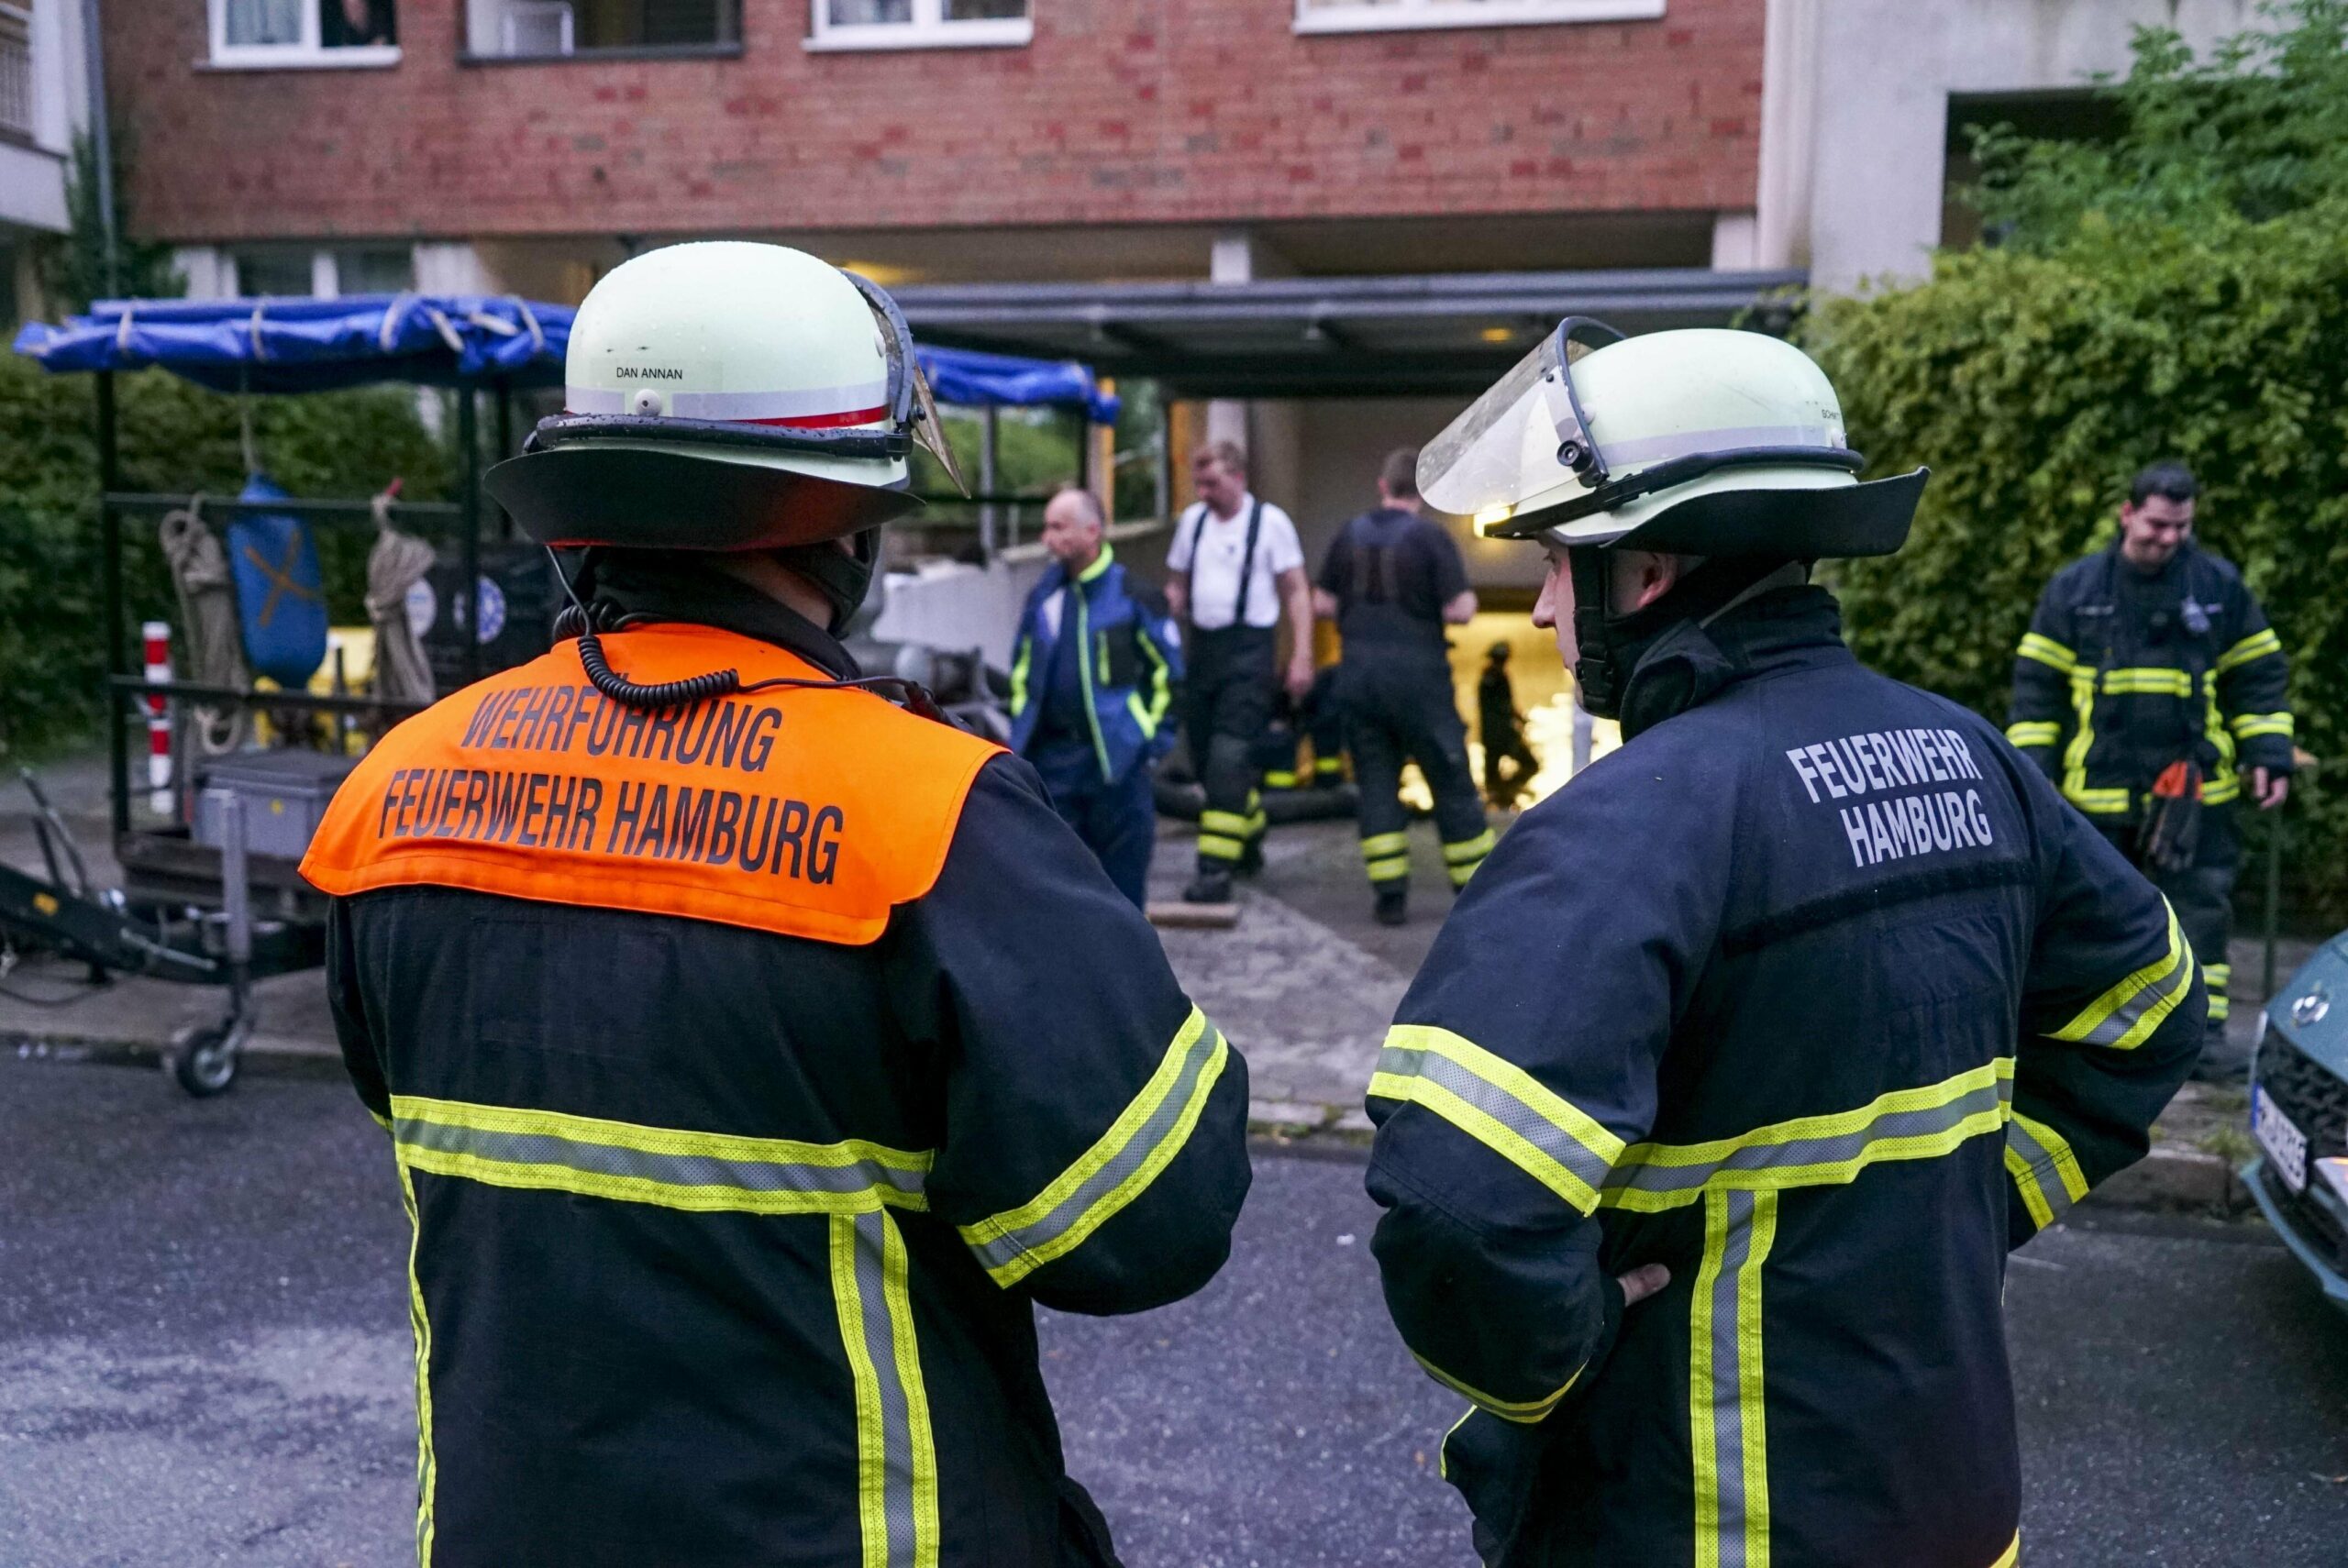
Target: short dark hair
{"points": [[2169, 480], [1399, 473]]}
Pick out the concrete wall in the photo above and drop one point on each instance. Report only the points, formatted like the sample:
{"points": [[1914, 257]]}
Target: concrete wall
{"points": [[1855, 110], [1120, 111]]}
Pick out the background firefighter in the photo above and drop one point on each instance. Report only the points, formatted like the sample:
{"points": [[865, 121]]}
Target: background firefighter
{"points": [[2151, 689]]}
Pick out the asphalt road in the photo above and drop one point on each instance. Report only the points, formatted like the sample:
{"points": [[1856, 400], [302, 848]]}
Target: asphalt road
{"points": [[203, 1359]]}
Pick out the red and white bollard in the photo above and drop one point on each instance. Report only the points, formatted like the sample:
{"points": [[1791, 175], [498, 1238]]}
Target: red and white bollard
{"points": [[158, 634]]}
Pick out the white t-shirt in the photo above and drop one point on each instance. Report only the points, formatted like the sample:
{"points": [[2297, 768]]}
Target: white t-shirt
{"points": [[1210, 548]]}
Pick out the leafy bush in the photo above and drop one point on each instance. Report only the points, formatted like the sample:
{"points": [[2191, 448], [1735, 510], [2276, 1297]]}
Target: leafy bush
{"points": [[2179, 295], [177, 439]]}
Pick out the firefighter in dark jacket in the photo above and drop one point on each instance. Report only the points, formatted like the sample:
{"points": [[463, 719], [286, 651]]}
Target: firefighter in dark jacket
{"points": [[1705, 1130], [1092, 671], [756, 1052], [2151, 689], [1392, 580]]}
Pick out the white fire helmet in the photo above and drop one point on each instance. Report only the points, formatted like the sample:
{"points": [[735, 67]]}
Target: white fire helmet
{"points": [[1702, 441], [725, 396]]}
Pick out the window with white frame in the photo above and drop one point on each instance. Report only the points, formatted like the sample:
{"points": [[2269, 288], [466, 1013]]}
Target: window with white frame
{"points": [[918, 23], [547, 29], [304, 32], [295, 271], [1383, 15]]}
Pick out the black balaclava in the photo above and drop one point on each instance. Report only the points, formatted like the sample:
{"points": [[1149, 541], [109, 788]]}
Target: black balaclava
{"points": [[844, 577], [1609, 645]]}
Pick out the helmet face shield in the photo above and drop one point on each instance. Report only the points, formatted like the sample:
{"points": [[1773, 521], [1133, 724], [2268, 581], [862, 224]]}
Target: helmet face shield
{"points": [[1523, 439]]}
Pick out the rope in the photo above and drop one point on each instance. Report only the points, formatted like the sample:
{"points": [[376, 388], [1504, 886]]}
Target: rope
{"points": [[397, 563], [215, 647]]}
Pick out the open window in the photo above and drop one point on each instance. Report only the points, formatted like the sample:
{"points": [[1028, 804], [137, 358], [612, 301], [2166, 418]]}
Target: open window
{"points": [[294, 33], [918, 23], [555, 29], [1389, 15]]}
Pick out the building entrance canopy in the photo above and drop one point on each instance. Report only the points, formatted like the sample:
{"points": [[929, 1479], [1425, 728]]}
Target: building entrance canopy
{"points": [[1443, 333]]}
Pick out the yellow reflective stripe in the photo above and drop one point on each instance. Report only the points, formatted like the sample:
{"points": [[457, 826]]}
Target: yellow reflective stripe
{"points": [[1019, 676], [1161, 691], [1387, 870], [2035, 1152], [1474, 849], [2221, 1007], [2075, 756], [899, 1291], [2123, 1016], [1120, 1165], [896, 1450], [1229, 823], [1279, 778], [2217, 977], [1378, 846], [2258, 644], [2218, 791], [2245, 725], [1141, 716], [2047, 651], [1460, 873], [2035, 732], [2147, 682], [2102, 802], [1443, 1449], [864, 1378], [1727, 1426], [1216, 846], [1816, 1150], [427, 1464], [1500, 1106], [381, 1120], [1524, 1412], [2011, 1556], [668, 1167]]}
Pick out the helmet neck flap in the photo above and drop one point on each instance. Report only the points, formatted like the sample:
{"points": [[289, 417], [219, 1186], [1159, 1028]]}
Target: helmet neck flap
{"points": [[1613, 677]]}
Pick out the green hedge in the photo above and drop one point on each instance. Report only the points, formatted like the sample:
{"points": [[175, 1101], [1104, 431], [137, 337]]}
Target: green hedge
{"points": [[174, 437], [2035, 385]]}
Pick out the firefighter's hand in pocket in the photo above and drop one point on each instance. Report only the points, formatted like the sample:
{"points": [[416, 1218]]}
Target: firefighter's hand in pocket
{"points": [[1642, 1282]]}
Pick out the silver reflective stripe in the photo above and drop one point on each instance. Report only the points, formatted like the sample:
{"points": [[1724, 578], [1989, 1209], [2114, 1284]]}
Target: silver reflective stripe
{"points": [[1687, 443], [1032, 1239], [1726, 1411], [897, 1474], [1584, 1162], [702, 1172], [1836, 1150], [2042, 1167]]}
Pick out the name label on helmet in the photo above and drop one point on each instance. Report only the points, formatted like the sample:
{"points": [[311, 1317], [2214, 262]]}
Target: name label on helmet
{"points": [[648, 373]]}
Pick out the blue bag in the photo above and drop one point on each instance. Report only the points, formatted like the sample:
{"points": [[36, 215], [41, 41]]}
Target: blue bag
{"points": [[281, 593]]}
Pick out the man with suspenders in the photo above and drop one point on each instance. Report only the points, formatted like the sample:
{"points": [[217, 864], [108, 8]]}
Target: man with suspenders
{"points": [[1235, 565]]}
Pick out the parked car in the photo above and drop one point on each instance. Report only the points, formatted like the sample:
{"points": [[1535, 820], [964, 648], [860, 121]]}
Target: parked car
{"points": [[2299, 1116]]}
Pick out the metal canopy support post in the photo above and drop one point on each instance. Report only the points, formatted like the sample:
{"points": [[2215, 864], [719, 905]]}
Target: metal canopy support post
{"points": [[990, 434], [117, 640], [466, 607]]}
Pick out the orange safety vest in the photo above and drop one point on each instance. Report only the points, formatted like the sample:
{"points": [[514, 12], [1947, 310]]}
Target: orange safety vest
{"points": [[805, 810]]}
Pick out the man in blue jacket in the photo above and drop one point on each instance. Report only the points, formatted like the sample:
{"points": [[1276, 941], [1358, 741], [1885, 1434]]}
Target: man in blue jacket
{"points": [[1092, 671]]}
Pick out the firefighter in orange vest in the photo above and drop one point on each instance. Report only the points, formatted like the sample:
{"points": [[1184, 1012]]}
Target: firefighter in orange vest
{"points": [[756, 1052]]}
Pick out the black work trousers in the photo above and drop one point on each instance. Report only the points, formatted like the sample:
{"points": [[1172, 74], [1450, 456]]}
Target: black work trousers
{"points": [[1399, 708], [1228, 702], [2203, 897]]}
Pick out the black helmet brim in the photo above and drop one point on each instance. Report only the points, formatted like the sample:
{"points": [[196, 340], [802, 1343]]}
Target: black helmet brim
{"points": [[634, 499]]}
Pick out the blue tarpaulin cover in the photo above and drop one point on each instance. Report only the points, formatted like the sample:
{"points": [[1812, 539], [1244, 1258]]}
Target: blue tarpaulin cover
{"points": [[318, 345]]}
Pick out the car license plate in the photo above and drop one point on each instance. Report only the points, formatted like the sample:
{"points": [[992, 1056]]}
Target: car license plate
{"points": [[2284, 1144]]}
